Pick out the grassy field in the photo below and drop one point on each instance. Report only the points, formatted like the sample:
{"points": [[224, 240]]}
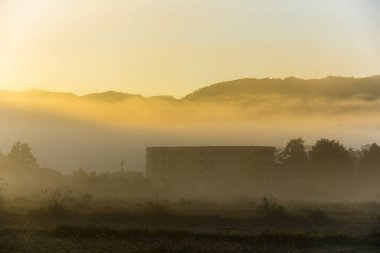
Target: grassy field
{"points": [[193, 227], [105, 239]]}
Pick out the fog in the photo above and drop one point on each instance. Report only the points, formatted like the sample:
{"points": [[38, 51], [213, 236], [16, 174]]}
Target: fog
{"points": [[68, 132]]}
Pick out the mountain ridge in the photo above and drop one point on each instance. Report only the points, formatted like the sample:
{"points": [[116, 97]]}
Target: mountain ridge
{"points": [[367, 88], [338, 87]]}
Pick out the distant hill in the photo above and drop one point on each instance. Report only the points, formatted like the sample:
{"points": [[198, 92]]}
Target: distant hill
{"points": [[163, 98], [106, 97], [111, 96], [330, 87], [46, 94]]}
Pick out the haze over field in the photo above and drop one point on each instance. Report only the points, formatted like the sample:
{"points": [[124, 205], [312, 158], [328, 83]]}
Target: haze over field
{"points": [[189, 126], [96, 131]]}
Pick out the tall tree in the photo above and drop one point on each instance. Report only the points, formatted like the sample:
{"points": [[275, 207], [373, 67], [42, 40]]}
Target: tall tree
{"points": [[21, 155], [294, 153], [329, 154], [370, 156]]}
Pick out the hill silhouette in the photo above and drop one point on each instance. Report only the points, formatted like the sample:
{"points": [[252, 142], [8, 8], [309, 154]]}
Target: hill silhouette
{"points": [[329, 87], [107, 96], [111, 96]]}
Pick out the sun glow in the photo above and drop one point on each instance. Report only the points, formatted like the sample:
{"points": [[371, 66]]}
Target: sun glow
{"points": [[170, 47]]}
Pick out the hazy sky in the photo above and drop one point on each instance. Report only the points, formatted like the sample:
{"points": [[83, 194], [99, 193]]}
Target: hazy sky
{"points": [[172, 47]]}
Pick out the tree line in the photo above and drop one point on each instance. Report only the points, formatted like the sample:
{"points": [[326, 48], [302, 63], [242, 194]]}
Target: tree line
{"points": [[326, 155]]}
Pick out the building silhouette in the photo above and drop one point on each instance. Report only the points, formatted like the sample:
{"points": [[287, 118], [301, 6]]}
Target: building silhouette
{"points": [[230, 166]]}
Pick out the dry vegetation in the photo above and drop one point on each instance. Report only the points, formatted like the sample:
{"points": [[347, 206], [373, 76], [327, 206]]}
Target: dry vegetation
{"points": [[56, 224]]}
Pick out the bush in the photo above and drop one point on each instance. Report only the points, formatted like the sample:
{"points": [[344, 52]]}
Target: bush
{"points": [[155, 206], [316, 215], [81, 203], [270, 209], [54, 201]]}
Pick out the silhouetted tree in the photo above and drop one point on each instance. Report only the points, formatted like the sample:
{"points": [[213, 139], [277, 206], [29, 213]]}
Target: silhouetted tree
{"points": [[294, 153], [329, 154], [370, 155], [355, 157], [21, 155]]}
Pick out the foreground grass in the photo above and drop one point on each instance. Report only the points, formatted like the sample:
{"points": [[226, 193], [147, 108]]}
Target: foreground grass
{"points": [[107, 239], [191, 228]]}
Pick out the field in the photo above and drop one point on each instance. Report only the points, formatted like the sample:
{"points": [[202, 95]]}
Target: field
{"points": [[191, 226]]}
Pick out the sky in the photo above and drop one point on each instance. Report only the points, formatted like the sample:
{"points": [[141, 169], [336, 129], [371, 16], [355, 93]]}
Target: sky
{"points": [[173, 47]]}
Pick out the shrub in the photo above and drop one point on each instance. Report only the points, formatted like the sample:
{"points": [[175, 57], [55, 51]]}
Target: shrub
{"points": [[155, 206], [81, 203], [316, 215], [54, 201], [270, 209]]}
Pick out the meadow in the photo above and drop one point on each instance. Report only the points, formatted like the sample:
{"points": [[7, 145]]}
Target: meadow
{"points": [[186, 225]]}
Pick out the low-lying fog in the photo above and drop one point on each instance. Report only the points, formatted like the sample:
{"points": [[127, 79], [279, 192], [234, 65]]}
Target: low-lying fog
{"points": [[68, 132]]}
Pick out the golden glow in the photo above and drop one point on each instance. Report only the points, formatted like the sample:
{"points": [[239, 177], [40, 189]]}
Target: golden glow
{"points": [[173, 47]]}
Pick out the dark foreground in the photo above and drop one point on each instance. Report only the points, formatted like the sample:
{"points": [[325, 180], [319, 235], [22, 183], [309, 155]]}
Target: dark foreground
{"points": [[103, 239], [194, 228]]}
